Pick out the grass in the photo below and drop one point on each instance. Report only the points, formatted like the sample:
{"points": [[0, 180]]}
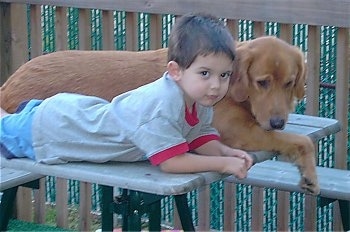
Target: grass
{"points": [[73, 222], [73, 218], [16, 225], [50, 222]]}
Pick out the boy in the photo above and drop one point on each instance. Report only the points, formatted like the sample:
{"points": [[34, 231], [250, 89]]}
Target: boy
{"points": [[162, 121]]}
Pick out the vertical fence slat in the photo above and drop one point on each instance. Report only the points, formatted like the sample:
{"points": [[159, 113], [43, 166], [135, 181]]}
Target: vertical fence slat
{"points": [[233, 27], [155, 31], [342, 112], [5, 38], [84, 29], [61, 203], [61, 28], [204, 208], [313, 71], [259, 29], [342, 96], [24, 204], [108, 30], [14, 42], [85, 206], [131, 21], [257, 209], [36, 31], [286, 32], [40, 200], [310, 213], [229, 206]]}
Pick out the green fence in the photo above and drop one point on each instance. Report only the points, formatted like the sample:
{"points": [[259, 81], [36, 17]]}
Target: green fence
{"points": [[244, 193]]}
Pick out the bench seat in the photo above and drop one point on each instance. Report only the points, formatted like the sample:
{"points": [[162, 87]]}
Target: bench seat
{"points": [[13, 177], [334, 183]]}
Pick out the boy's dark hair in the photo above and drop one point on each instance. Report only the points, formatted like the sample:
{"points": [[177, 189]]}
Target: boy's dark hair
{"points": [[198, 34]]}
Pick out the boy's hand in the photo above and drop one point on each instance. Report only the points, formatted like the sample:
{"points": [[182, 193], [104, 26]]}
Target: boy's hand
{"points": [[240, 154], [236, 166]]}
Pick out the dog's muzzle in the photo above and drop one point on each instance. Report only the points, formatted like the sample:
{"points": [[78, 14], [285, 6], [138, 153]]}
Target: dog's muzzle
{"points": [[277, 123]]}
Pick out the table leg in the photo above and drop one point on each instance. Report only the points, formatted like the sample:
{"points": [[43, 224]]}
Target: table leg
{"points": [[107, 214], [6, 207], [132, 217], [184, 212], [345, 213], [154, 216]]}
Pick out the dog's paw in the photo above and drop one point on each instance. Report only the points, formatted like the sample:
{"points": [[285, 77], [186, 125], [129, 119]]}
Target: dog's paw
{"points": [[310, 186]]}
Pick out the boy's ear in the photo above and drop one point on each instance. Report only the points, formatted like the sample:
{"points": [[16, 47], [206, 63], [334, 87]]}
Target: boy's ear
{"points": [[174, 70]]}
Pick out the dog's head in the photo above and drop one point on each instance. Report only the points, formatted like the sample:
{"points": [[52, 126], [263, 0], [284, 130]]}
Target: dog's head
{"points": [[270, 75]]}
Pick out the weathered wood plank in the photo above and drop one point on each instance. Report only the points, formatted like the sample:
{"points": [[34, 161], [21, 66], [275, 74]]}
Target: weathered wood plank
{"points": [[342, 96], [61, 202], [313, 71], [108, 30], [84, 29], [14, 39], [204, 208], [131, 31], [85, 206], [155, 31], [312, 12], [14, 177], [35, 31], [40, 202], [61, 28], [139, 176], [334, 183]]}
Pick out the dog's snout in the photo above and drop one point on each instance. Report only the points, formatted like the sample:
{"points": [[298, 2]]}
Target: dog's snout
{"points": [[277, 122]]}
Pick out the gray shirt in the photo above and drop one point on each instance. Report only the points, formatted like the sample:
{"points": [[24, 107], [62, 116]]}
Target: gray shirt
{"points": [[145, 123]]}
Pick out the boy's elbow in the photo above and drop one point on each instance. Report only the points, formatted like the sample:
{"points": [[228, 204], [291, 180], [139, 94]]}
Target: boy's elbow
{"points": [[166, 167], [171, 165]]}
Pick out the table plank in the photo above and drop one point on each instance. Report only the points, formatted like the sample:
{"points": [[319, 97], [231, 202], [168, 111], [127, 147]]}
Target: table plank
{"points": [[334, 183], [14, 177], [138, 176]]}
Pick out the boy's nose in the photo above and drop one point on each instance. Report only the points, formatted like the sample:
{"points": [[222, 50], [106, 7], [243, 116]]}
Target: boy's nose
{"points": [[215, 83]]}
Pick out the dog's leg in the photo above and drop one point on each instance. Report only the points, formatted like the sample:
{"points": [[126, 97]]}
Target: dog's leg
{"points": [[239, 130]]}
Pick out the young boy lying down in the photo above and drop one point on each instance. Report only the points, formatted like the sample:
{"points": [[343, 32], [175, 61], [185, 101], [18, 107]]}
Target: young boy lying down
{"points": [[167, 122]]}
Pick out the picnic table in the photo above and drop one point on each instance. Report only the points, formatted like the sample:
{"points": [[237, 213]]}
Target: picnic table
{"points": [[144, 185]]}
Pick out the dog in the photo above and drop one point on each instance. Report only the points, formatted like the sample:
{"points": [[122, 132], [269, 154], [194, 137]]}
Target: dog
{"points": [[269, 77]]}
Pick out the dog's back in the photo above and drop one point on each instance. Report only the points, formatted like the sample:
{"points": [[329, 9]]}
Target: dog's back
{"points": [[95, 73]]}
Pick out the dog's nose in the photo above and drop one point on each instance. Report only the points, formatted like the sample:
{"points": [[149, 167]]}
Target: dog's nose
{"points": [[277, 122]]}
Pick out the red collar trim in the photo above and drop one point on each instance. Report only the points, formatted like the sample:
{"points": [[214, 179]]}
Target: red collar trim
{"points": [[191, 118]]}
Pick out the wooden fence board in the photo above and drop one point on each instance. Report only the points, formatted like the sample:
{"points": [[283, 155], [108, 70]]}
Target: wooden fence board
{"points": [[312, 12]]}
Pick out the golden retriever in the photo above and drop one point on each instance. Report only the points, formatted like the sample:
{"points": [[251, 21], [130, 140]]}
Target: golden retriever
{"points": [[269, 77]]}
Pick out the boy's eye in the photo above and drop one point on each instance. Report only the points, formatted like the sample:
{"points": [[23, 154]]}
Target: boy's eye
{"points": [[205, 74], [226, 75]]}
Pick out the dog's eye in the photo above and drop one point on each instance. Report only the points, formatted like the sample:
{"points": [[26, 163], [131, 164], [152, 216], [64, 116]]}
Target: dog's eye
{"points": [[263, 83], [288, 84]]}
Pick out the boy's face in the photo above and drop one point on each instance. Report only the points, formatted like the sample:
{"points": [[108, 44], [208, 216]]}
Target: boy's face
{"points": [[206, 81]]}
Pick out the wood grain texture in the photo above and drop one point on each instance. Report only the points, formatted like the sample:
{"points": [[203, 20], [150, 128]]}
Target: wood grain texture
{"points": [[312, 12]]}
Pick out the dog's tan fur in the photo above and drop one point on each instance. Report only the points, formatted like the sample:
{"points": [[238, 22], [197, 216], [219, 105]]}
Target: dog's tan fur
{"points": [[269, 76]]}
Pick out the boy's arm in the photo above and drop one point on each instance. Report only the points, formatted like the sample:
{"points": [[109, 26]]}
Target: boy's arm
{"points": [[216, 148], [191, 163]]}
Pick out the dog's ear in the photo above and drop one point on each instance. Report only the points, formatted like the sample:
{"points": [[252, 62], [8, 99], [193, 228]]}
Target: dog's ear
{"points": [[240, 77], [299, 88]]}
